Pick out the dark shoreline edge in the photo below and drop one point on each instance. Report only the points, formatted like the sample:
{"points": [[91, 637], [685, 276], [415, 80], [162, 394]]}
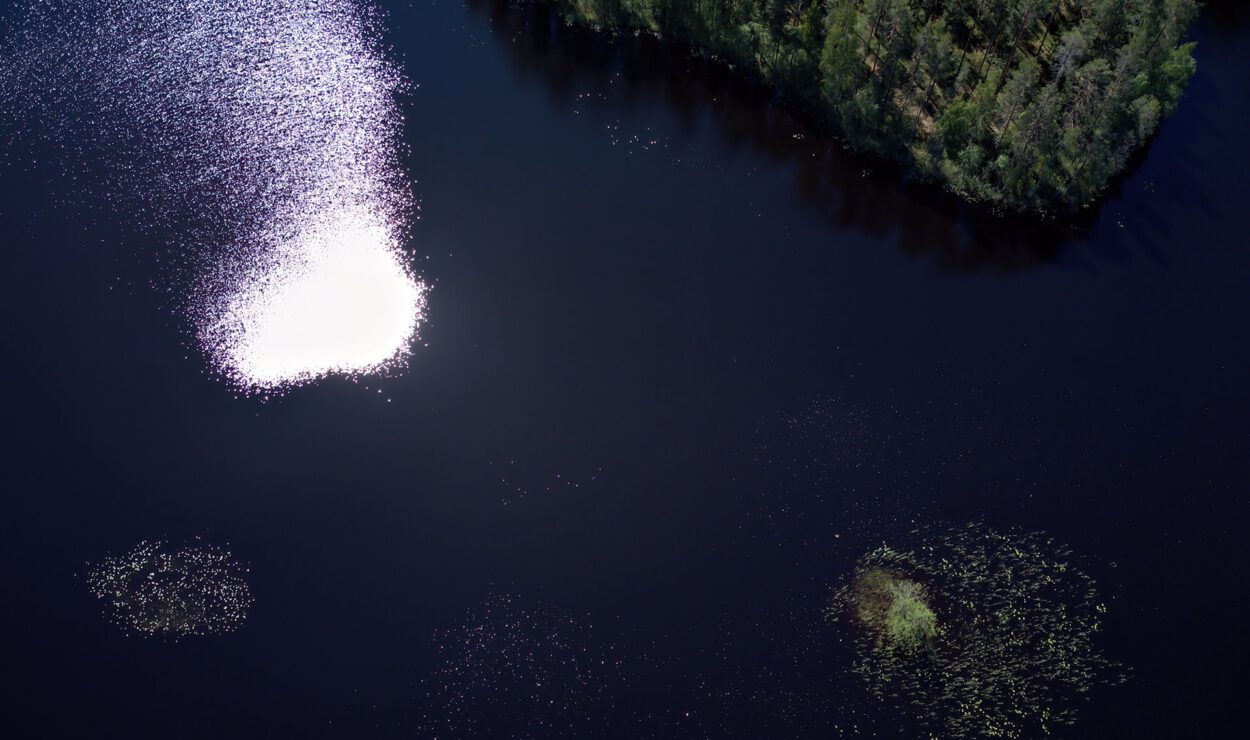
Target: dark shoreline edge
{"points": [[886, 152], [850, 188]]}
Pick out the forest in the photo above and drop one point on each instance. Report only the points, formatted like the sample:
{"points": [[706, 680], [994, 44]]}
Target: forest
{"points": [[1027, 105]]}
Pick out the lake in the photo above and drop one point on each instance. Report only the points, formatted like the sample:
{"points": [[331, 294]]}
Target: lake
{"points": [[684, 361]]}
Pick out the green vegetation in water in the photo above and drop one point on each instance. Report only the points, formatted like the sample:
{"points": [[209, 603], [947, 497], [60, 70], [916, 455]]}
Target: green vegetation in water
{"points": [[981, 634], [1030, 105], [896, 609]]}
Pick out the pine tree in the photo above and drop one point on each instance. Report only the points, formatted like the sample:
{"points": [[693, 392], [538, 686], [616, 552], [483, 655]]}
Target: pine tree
{"points": [[1028, 103]]}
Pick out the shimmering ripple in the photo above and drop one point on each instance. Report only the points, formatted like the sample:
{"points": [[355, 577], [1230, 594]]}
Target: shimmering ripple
{"points": [[517, 668], [264, 136]]}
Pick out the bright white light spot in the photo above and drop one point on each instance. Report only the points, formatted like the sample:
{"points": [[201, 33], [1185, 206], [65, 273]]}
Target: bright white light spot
{"points": [[265, 137], [337, 299]]}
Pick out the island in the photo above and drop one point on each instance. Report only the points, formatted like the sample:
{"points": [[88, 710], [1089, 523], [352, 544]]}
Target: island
{"points": [[1026, 105]]}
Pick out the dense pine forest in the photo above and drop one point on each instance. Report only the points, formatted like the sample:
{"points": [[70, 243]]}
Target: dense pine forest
{"points": [[1031, 105]]}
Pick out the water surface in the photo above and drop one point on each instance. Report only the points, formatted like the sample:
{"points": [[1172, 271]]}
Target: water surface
{"points": [[642, 273]]}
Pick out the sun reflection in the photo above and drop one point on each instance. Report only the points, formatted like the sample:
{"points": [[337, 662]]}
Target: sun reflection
{"points": [[337, 299], [264, 137]]}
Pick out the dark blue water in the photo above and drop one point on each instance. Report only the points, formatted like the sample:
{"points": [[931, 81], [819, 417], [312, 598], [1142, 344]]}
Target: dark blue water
{"points": [[641, 268]]}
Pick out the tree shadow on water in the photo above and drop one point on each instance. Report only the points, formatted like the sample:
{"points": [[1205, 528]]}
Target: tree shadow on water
{"points": [[1227, 19], [637, 72]]}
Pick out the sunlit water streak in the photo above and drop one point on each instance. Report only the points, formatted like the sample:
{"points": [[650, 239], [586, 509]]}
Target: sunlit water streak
{"points": [[264, 135], [331, 300]]}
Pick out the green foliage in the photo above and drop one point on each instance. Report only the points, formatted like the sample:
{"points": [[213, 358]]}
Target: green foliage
{"points": [[1014, 650], [1173, 75], [955, 125], [1029, 104], [895, 609]]}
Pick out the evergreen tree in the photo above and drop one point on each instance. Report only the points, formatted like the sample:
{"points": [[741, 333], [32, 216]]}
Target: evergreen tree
{"points": [[1032, 104]]}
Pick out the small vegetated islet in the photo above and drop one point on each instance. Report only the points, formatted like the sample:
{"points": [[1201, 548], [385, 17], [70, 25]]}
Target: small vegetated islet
{"points": [[976, 633]]}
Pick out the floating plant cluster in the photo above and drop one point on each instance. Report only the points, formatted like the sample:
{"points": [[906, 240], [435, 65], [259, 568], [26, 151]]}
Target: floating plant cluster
{"points": [[158, 590], [262, 139], [895, 609], [981, 633]]}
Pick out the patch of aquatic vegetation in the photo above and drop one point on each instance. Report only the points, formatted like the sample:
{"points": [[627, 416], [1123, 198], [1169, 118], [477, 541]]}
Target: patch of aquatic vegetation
{"points": [[895, 609], [980, 633], [158, 590]]}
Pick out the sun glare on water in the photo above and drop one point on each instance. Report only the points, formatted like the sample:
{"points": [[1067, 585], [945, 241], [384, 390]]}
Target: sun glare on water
{"points": [[336, 300], [264, 138]]}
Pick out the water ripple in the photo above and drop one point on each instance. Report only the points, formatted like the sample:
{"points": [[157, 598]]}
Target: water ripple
{"points": [[265, 135]]}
